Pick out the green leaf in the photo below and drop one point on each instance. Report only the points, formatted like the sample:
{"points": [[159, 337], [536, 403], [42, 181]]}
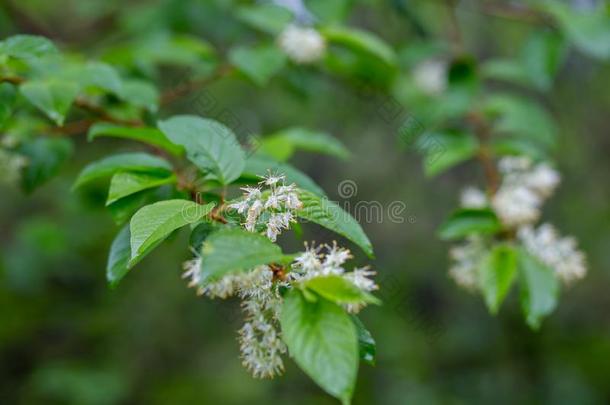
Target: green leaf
{"points": [[542, 56], [45, 158], [123, 209], [103, 76], [141, 94], [539, 288], [151, 136], [339, 290], [259, 63], [361, 41], [521, 117], [588, 30], [468, 221], [153, 223], [323, 341], [118, 257], [258, 165], [446, 149], [210, 145], [268, 18], [326, 213], [281, 145], [128, 183], [232, 250], [52, 97], [134, 162], [26, 47], [518, 146], [366, 343], [497, 273], [7, 100]]}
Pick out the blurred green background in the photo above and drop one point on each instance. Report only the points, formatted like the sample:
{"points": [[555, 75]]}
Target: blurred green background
{"points": [[66, 338]]}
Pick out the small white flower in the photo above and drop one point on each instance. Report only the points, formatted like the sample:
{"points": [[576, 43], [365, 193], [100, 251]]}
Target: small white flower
{"points": [[560, 254], [336, 256], [466, 259], [240, 206], [301, 44], [543, 179], [253, 213], [273, 201], [431, 76], [512, 164], [473, 197], [516, 205], [252, 193]]}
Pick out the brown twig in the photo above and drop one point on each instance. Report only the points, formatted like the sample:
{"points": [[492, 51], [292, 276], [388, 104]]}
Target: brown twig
{"points": [[516, 12], [186, 87], [485, 155]]}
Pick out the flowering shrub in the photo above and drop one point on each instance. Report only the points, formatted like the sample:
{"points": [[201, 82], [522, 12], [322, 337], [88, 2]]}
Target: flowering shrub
{"points": [[187, 170]]}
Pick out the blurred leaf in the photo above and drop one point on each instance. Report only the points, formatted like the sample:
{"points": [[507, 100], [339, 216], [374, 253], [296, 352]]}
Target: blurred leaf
{"points": [[542, 56], [339, 290], [135, 162], [45, 158], [259, 63], [118, 257], [124, 184], [211, 146], [26, 47], [366, 343], [231, 250], [323, 341], [517, 146], [497, 273], [265, 17], [7, 99], [521, 117], [329, 11], [539, 288], [151, 136], [282, 144], [361, 41], [258, 165], [443, 150], [52, 97], [326, 213], [588, 30], [101, 75], [538, 63], [141, 94], [468, 221], [153, 223]]}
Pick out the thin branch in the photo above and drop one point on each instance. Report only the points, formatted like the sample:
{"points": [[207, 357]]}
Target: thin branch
{"points": [[184, 88], [485, 155], [516, 12]]}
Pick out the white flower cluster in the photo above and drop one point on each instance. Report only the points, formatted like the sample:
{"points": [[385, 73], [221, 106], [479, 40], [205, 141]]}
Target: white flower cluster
{"points": [[315, 263], [302, 44], [524, 188], [517, 203], [466, 258], [279, 203], [10, 166], [430, 76], [260, 343], [260, 340], [560, 254]]}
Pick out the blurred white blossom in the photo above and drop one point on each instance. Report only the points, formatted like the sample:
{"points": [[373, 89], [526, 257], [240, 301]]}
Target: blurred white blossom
{"points": [[472, 197], [465, 262], [431, 76], [302, 44], [524, 188], [560, 254]]}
